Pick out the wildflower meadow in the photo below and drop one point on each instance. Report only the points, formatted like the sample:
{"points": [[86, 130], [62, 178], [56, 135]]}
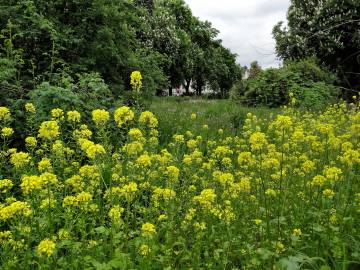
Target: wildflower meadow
{"points": [[104, 194]]}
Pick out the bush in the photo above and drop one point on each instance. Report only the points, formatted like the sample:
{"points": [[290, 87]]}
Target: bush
{"points": [[312, 86]]}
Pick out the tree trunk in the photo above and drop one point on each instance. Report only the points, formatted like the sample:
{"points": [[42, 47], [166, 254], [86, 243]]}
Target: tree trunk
{"points": [[170, 91]]}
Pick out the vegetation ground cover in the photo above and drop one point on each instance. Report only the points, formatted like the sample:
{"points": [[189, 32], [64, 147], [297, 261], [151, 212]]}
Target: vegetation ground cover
{"points": [[283, 193]]}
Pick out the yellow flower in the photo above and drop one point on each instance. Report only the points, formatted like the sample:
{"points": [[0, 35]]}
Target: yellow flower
{"points": [[173, 173], [257, 221], [57, 114], [193, 116], [206, 197], [63, 234], [162, 217], [257, 140], [135, 80], [73, 116], [5, 115], [135, 134], [5, 185], [297, 232], [178, 138], [83, 133], [100, 117], [19, 159], [30, 142], [115, 213], [49, 130], [46, 247], [45, 165], [148, 229], [328, 193], [147, 118], [270, 192], [144, 160], [30, 108], [318, 180], [123, 115], [144, 250], [7, 132], [15, 208], [283, 122]]}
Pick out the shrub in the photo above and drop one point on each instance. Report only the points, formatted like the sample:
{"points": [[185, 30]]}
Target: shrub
{"points": [[312, 86]]}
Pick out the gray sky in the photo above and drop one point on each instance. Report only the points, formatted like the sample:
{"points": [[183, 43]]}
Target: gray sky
{"points": [[245, 25]]}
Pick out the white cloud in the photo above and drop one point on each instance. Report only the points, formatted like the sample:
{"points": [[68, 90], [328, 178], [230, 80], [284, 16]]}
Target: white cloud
{"points": [[245, 26]]}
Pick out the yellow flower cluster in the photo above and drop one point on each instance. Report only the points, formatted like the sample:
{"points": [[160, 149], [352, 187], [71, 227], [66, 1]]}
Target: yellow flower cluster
{"points": [[148, 229], [91, 149], [7, 132], [34, 182], [20, 159], [46, 247], [123, 115], [49, 130], [5, 114], [267, 192], [136, 80], [14, 209], [73, 116], [100, 117], [57, 114], [29, 107]]}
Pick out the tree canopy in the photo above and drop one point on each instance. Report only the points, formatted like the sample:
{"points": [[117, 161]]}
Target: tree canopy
{"points": [[329, 30], [44, 40]]}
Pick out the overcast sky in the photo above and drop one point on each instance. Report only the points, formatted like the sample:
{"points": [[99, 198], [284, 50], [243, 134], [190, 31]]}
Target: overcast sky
{"points": [[245, 26]]}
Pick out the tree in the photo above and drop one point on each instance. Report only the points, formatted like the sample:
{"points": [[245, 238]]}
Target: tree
{"points": [[330, 30], [255, 69]]}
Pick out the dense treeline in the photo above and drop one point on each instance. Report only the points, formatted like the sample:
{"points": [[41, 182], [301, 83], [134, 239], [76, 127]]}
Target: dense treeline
{"points": [[329, 30], [61, 41], [320, 47]]}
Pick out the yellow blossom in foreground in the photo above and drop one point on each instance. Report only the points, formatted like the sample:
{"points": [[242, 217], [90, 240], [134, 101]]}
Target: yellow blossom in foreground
{"points": [[30, 108], [297, 232], [148, 229], [328, 193], [123, 115], [100, 117], [7, 132], [144, 250], [15, 208], [115, 213], [206, 197], [147, 118], [46, 248], [57, 114], [5, 185], [4, 114], [20, 159], [257, 140], [257, 221], [135, 80], [30, 142], [73, 116], [49, 130]]}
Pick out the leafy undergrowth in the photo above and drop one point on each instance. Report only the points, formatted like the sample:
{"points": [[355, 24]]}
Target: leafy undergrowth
{"points": [[282, 194]]}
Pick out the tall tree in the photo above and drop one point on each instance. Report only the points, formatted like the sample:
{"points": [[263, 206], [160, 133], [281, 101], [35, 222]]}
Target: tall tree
{"points": [[328, 29]]}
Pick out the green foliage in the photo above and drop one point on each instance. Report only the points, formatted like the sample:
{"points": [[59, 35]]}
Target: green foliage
{"points": [[327, 29], [88, 93], [46, 97], [312, 86]]}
